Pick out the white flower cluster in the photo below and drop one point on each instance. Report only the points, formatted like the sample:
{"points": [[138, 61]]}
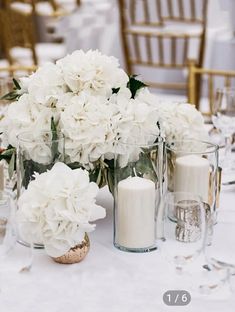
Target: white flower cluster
{"points": [[88, 97], [57, 207], [181, 121]]}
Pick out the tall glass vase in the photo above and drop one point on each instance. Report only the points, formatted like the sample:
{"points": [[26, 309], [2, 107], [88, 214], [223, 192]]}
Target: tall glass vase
{"points": [[37, 153], [137, 193]]}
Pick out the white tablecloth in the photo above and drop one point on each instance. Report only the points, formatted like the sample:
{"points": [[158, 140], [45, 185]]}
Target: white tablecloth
{"points": [[108, 280]]}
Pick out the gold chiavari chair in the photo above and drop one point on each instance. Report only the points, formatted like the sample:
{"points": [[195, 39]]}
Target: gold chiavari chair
{"points": [[20, 40], [214, 79], [17, 31], [154, 35]]}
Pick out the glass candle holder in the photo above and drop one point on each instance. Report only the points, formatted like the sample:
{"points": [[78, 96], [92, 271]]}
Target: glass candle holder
{"points": [[192, 166], [137, 192]]}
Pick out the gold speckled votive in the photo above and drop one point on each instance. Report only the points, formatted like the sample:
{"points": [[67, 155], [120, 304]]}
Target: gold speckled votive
{"points": [[75, 254]]}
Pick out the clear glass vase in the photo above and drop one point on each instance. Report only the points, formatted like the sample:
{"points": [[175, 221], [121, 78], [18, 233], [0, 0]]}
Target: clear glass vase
{"points": [[37, 153], [137, 193], [192, 166]]}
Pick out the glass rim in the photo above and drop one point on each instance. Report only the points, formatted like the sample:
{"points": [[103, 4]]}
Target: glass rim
{"points": [[173, 194], [213, 147], [158, 137], [20, 136]]}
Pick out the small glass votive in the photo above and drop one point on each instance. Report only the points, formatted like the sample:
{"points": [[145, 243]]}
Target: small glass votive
{"points": [[137, 192]]}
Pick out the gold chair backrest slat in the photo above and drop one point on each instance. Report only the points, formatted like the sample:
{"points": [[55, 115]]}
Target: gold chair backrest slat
{"points": [[211, 74], [136, 57], [165, 10]]}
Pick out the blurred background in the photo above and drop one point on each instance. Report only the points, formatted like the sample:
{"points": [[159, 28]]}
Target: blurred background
{"points": [[183, 49]]}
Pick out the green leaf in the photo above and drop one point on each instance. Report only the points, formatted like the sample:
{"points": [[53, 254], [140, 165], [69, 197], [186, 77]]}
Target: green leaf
{"points": [[134, 85], [110, 180], [29, 167], [11, 167], [74, 165], [17, 85], [7, 154], [53, 129], [54, 146], [115, 90], [13, 95]]}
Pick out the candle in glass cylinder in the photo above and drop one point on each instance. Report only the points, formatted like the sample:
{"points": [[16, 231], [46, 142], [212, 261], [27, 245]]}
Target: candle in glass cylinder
{"points": [[136, 213], [192, 175]]}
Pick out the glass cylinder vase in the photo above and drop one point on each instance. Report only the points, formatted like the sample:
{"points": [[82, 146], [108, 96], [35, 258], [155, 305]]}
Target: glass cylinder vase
{"points": [[192, 166], [137, 192], [36, 153]]}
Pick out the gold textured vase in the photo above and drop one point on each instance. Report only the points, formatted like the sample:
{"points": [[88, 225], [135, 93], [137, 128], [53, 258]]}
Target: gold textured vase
{"points": [[75, 254]]}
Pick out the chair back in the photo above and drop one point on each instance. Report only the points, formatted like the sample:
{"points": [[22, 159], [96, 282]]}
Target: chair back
{"points": [[18, 30], [212, 79], [158, 12], [154, 35]]}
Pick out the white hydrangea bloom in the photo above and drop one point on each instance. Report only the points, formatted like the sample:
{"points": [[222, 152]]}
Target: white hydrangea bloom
{"points": [[181, 121], [26, 115], [57, 208], [92, 71], [87, 125]]}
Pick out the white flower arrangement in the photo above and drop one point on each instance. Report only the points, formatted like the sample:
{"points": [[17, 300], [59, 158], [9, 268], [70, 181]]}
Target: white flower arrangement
{"points": [[88, 98], [93, 103], [57, 208]]}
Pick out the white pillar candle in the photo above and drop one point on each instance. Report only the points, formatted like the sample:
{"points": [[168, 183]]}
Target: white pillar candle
{"points": [[192, 175], [135, 224]]}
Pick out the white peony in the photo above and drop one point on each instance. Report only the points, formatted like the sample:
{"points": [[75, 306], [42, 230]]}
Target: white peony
{"points": [[57, 208]]}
